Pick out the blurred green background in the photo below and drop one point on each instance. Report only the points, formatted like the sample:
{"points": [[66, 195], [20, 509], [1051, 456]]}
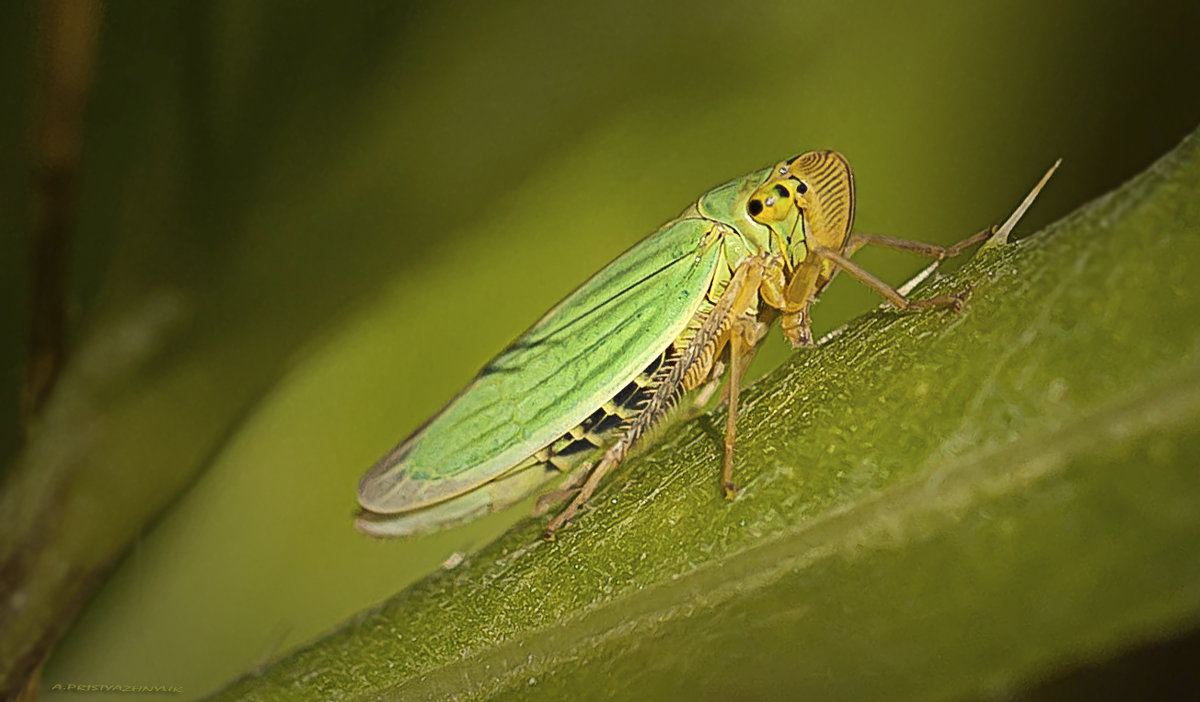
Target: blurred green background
{"points": [[301, 227]]}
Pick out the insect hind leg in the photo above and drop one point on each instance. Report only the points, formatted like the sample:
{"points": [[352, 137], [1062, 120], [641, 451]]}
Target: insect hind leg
{"points": [[573, 483], [735, 299]]}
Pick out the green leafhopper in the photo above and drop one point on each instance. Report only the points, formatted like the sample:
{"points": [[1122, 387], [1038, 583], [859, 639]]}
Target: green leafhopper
{"points": [[678, 311]]}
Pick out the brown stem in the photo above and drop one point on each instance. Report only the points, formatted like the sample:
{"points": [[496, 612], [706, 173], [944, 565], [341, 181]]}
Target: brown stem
{"points": [[68, 32]]}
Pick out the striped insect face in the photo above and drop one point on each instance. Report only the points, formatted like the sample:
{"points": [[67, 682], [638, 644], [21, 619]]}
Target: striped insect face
{"points": [[809, 195]]}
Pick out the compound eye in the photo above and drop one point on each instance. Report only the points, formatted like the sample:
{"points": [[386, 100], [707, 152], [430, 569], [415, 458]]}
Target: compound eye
{"points": [[755, 207], [801, 187]]}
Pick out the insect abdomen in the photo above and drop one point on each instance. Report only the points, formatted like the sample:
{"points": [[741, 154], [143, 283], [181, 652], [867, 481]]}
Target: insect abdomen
{"points": [[601, 429]]}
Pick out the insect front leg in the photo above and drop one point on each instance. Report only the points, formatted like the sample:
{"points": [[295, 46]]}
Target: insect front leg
{"points": [[886, 291], [858, 240], [774, 291], [797, 327]]}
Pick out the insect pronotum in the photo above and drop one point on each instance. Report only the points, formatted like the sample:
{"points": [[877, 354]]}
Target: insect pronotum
{"points": [[672, 314]]}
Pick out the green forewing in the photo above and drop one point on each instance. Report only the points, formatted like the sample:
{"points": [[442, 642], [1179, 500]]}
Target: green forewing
{"points": [[505, 490], [578, 356]]}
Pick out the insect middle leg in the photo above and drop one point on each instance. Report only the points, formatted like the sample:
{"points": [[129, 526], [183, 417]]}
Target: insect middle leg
{"points": [[921, 248], [743, 340], [755, 333]]}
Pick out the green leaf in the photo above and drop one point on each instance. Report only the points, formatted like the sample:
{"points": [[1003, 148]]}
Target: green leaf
{"points": [[933, 505]]}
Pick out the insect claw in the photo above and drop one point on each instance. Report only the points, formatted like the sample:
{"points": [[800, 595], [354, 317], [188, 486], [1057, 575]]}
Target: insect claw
{"points": [[962, 296], [546, 502], [801, 338]]}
